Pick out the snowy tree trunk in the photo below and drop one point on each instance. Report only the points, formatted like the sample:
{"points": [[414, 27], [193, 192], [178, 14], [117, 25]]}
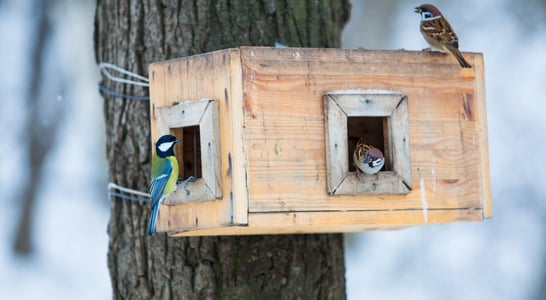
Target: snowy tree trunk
{"points": [[133, 34]]}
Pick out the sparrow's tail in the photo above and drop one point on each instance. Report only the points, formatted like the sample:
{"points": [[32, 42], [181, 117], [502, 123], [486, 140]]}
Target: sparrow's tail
{"points": [[153, 219], [460, 59]]}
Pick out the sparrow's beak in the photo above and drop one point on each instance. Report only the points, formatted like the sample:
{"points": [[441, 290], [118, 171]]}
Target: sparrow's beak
{"points": [[417, 10]]}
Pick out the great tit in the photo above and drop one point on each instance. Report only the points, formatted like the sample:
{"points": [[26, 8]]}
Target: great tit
{"points": [[164, 175]]}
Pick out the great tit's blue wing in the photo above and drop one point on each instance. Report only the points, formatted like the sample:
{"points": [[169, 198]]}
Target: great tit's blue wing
{"points": [[161, 171]]}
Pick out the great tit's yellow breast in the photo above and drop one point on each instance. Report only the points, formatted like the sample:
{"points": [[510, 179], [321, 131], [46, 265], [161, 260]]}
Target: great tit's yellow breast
{"points": [[173, 177]]}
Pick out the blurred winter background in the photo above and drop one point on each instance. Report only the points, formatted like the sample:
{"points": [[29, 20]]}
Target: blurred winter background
{"points": [[51, 115]]}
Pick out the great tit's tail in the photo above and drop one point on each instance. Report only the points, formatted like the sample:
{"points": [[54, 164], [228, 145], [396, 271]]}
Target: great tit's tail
{"points": [[153, 219]]}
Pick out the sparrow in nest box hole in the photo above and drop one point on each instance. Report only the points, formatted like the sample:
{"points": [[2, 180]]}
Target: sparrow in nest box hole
{"points": [[438, 33], [368, 159]]}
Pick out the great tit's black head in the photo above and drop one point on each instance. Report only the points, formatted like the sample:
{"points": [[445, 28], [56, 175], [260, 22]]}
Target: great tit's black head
{"points": [[165, 144]]}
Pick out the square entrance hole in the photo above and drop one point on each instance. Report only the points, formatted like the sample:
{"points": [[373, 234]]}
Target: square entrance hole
{"points": [[378, 118], [198, 154], [188, 152], [371, 130]]}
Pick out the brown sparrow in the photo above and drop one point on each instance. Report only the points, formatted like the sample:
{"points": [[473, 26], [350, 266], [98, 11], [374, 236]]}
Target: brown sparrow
{"points": [[367, 158], [438, 33]]}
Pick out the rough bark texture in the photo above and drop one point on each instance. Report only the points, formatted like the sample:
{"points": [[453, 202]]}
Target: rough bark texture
{"points": [[134, 33]]}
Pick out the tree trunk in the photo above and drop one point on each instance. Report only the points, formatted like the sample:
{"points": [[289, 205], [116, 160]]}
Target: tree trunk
{"points": [[134, 33]]}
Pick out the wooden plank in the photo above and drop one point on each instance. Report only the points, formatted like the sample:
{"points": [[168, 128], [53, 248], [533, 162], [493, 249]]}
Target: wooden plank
{"points": [[400, 143], [321, 222], [209, 126], [336, 144], [391, 217], [184, 114], [191, 216], [370, 103], [480, 107], [196, 190], [383, 183], [175, 81], [237, 158], [285, 145]]}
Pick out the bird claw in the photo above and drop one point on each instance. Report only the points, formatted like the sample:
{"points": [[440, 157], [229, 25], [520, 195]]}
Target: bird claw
{"points": [[185, 183], [429, 49], [358, 173]]}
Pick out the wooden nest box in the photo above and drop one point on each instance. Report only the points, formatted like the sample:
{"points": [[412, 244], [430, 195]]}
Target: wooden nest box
{"points": [[269, 133]]}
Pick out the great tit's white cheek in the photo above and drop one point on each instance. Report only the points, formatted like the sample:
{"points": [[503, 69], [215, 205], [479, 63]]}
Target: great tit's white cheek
{"points": [[165, 146]]}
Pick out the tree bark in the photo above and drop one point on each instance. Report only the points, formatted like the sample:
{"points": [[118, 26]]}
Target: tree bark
{"points": [[134, 33]]}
